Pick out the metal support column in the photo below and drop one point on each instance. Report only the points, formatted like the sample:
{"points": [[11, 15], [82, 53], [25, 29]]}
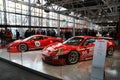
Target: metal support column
{"points": [[29, 12], [58, 28], [5, 16], [73, 26], [47, 23]]}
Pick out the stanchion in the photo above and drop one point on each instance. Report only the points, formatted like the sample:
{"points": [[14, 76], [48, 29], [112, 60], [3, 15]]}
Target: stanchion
{"points": [[9, 56], [61, 70], [21, 58]]}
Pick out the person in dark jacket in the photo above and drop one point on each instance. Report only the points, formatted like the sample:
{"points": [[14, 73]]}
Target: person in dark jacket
{"points": [[2, 36], [68, 34], [17, 34]]}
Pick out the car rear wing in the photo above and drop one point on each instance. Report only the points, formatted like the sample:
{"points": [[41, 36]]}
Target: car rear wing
{"points": [[106, 38]]}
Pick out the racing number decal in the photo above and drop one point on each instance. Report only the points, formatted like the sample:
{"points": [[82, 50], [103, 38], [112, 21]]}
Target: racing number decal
{"points": [[89, 52], [84, 53], [37, 43]]}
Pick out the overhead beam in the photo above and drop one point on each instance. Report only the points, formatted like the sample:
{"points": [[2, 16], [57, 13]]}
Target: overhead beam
{"points": [[94, 7], [107, 4]]}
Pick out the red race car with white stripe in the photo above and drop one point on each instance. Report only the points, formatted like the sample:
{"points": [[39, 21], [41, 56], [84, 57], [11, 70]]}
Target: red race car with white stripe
{"points": [[73, 50], [32, 42]]}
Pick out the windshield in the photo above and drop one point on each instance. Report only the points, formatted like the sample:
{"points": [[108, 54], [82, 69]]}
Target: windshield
{"points": [[27, 38], [73, 41]]}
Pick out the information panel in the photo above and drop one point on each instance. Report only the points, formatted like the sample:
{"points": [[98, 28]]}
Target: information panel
{"points": [[99, 53], [99, 60]]}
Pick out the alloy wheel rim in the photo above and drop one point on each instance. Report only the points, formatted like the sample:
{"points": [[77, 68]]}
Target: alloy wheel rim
{"points": [[22, 47], [110, 51], [73, 58]]}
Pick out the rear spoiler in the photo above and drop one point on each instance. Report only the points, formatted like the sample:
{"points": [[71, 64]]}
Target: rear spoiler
{"points": [[106, 38]]}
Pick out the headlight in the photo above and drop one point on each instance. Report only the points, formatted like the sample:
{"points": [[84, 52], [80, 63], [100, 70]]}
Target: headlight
{"points": [[58, 51]]}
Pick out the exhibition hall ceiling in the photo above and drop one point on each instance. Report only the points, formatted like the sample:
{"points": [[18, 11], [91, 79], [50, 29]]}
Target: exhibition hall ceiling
{"points": [[97, 11]]}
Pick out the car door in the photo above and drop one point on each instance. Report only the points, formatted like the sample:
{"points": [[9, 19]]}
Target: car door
{"points": [[49, 40], [46, 41], [39, 42], [88, 48], [36, 42]]}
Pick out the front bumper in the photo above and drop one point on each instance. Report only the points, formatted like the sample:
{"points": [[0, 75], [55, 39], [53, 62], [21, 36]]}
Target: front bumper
{"points": [[12, 49], [61, 60]]}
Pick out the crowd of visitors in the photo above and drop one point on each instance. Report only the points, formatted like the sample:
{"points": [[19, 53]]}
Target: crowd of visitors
{"points": [[49, 32], [6, 35]]}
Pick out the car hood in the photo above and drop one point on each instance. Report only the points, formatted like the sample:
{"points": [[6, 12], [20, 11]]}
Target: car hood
{"points": [[18, 41], [15, 43], [57, 49]]}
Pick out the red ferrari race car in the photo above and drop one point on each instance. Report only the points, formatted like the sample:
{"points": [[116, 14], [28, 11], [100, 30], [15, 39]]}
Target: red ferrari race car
{"points": [[32, 42], [73, 50]]}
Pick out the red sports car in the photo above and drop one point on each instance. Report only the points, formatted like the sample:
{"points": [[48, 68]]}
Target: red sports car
{"points": [[32, 42], [73, 50]]}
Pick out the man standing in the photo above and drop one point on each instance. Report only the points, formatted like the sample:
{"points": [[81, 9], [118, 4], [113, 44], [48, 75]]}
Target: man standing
{"points": [[17, 34]]}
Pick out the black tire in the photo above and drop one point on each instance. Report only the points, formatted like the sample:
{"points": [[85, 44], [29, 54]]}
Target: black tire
{"points": [[110, 51], [72, 57], [22, 47]]}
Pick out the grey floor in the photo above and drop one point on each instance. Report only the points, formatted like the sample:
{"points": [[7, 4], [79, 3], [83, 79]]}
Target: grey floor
{"points": [[80, 71], [10, 71]]}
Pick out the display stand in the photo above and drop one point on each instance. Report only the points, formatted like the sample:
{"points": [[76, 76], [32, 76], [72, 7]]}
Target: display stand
{"points": [[99, 60]]}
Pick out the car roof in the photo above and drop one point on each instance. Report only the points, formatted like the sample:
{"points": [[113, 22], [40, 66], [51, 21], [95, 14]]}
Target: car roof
{"points": [[105, 37], [39, 35], [85, 37]]}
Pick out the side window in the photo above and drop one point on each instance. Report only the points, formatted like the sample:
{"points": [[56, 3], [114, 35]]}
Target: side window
{"points": [[86, 42], [92, 40], [33, 38], [45, 37], [38, 38], [89, 41]]}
